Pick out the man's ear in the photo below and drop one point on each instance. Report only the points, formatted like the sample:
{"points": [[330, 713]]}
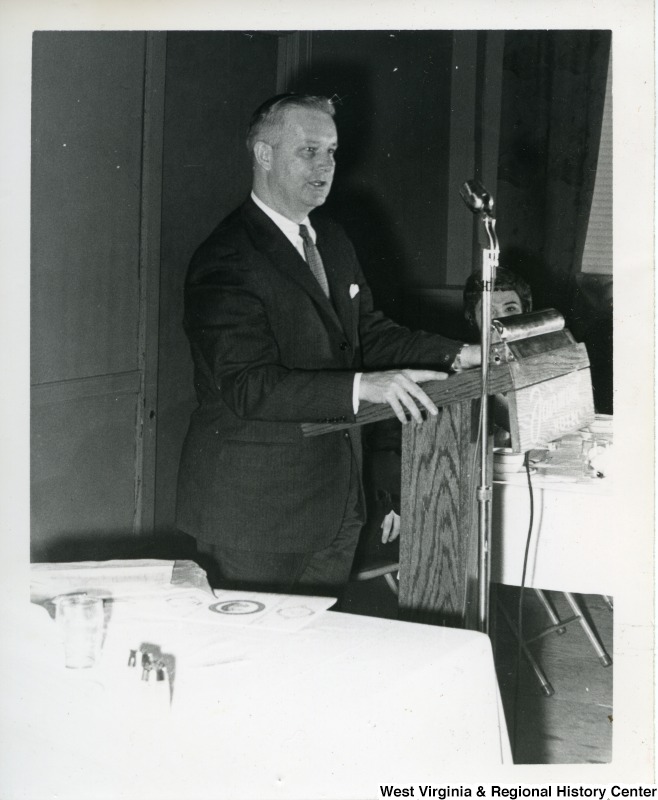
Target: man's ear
{"points": [[263, 155]]}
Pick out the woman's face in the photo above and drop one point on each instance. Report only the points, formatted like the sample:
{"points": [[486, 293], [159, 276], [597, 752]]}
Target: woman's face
{"points": [[503, 304]]}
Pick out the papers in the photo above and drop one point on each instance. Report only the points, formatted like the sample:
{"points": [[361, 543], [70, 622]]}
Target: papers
{"points": [[564, 463], [102, 578], [223, 607], [275, 611]]}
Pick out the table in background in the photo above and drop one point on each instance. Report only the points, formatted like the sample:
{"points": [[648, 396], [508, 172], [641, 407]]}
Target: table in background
{"points": [[574, 534], [332, 710]]}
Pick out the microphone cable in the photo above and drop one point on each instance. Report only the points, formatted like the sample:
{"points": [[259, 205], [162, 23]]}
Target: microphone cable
{"points": [[519, 652]]}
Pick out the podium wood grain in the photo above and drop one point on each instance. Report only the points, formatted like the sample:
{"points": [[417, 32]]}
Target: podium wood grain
{"points": [[438, 537]]}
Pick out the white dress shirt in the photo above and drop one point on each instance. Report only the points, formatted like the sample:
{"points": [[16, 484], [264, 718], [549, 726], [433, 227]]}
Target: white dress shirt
{"points": [[289, 228]]}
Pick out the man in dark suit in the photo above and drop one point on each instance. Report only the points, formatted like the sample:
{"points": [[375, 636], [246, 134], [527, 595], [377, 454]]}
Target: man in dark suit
{"points": [[283, 331]]}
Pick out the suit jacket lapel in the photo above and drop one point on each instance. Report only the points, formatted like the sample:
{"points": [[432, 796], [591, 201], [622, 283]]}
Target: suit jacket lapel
{"points": [[286, 259]]}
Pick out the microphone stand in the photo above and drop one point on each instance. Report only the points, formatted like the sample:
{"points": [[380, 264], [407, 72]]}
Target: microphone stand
{"points": [[485, 489], [480, 202]]}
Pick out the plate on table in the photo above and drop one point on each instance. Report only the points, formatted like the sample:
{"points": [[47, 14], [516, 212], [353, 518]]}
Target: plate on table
{"points": [[237, 607]]}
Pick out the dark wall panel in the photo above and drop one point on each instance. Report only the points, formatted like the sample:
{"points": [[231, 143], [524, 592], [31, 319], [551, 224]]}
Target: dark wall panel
{"points": [[392, 90], [214, 81], [83, 485], [87, 123], [86, 162]]}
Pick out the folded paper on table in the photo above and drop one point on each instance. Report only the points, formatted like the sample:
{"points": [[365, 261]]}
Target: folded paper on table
{"points": [[117, 578]]}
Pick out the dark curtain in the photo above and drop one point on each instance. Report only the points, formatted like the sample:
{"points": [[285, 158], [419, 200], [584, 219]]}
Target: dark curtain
{"points": [[553, 94]]}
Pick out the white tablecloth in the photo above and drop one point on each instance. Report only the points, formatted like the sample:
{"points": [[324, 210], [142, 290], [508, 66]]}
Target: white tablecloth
{"points": [[333, 710], [575, 532]]}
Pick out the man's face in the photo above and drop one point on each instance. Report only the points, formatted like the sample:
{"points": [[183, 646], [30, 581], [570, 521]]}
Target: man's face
{"points": [[503, 304], [302, 162]]}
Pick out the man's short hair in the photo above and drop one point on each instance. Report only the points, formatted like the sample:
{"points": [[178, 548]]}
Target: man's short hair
{"points": [[268, 115], [506, 281]]}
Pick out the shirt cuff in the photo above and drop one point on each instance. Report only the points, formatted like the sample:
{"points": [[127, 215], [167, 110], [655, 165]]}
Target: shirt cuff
{"points": [[355, 392], [457, 365]]}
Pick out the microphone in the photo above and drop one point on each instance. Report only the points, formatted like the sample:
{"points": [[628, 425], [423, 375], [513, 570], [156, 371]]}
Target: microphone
{"points": [[477, 198]]}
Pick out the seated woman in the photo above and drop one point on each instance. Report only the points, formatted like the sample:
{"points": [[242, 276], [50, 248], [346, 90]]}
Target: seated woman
{"points": [[382, 440], [511, 295]]}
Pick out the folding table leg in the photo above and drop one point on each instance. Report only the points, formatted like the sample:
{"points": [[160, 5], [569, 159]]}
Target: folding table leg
{"points": [[548, 607], [546, 686], [604, 658]]}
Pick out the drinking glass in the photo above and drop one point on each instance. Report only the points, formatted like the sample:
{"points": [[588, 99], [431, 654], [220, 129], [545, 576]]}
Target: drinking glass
{"points": [[81, 621]]}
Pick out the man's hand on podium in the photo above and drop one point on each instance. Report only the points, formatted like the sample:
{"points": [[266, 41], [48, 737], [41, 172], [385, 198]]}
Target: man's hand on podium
{"points": [[400, 389]]}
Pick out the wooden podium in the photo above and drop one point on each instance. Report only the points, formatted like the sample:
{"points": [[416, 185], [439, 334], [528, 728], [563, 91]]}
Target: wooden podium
{"points": [[546, 378]]}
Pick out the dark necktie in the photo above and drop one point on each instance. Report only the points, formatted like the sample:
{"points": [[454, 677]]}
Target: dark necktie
{"points": [[313, 259]]}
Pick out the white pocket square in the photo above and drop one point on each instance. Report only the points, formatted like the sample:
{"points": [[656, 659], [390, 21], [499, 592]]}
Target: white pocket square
{"points": [[354, 290]]}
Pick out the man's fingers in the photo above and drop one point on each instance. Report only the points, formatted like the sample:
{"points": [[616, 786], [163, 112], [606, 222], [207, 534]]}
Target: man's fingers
{"points": [[407, 400], [399, 397], [395, 530], [394, 403], [386, 527], [414, 377], [413, 389], [401, 391], [424, 375], [390, 527]]}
